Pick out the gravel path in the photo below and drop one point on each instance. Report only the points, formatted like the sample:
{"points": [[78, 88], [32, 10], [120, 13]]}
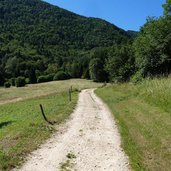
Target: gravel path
{"points": [[89, 141]]}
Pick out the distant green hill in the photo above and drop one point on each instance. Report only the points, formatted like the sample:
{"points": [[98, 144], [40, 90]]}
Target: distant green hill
{"points": [[33, 32]]}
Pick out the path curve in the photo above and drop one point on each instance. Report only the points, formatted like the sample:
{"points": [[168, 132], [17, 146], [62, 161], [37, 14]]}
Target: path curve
{"points": [[89, 141]]}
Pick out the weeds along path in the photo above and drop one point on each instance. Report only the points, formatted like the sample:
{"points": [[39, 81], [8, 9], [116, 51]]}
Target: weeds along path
{"points": [[89, 141]]}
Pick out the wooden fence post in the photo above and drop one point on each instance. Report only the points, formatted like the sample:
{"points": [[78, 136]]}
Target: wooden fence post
{"points": [[44, 116], [69, 92]]}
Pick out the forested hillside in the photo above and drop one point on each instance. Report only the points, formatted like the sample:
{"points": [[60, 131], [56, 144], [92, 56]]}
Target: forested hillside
{"points": [[37, 39]]}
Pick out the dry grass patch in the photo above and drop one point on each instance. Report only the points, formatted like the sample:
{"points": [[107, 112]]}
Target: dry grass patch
{"points": [[43, 89]]}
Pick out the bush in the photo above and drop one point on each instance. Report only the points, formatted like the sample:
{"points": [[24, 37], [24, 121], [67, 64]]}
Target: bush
{"points": [[13, 81], [41, 79], [50, 77], [137, 77], [20, 82], [61, 75], [27, 81], [7, 84], [45, 78]]}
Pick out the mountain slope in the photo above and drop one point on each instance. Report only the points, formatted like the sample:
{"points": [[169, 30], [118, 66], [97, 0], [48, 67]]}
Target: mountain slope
{"points": [[37, 22], [32, 30]]}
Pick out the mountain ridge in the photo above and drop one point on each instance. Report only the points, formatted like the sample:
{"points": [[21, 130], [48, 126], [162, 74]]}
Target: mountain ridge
{"points": [[63, 18]]}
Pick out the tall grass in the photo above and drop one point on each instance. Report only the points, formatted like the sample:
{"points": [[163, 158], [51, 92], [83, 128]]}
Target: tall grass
{"points": [[156, 91], [143, 114]]}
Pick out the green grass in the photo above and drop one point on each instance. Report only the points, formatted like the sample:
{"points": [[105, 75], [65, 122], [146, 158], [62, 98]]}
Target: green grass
{"points": [[143, 116], [22, 128]]}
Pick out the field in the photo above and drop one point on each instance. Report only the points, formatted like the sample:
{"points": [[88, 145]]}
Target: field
{"points": [[143, 114], [22, 128], [43, 89]]}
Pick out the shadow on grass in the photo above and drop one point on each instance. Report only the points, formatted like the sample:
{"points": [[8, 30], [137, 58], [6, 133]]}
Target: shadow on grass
{"points": [[3, 124]]}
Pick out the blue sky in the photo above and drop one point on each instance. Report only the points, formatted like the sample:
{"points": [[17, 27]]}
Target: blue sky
{"points": [[127, 14]]}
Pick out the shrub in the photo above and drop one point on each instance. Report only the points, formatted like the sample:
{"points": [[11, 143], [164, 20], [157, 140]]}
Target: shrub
{"points": [[137, 77], [20, 82], [13, 81], [50, 77], [27, 81], [42, 79], [45, 78], [7, 84], [61, 75]]}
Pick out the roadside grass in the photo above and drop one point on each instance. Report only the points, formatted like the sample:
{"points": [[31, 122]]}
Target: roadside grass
{"points": [[143, 116], [22, 127]]}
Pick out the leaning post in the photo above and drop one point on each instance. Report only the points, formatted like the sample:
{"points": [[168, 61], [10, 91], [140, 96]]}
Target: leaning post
{"points": [[69, 92], [44, 116]]}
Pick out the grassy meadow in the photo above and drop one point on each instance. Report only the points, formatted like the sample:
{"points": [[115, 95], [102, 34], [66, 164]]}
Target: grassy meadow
{"points": [[43, 89], [143, 115], [22, 128]]}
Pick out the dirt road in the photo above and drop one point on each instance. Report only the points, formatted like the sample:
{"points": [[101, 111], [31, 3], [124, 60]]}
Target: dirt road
{"points": [[89, 141]]}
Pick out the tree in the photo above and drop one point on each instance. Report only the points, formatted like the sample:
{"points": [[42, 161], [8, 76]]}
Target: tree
{"points": [[76, 70], [120, 63], [12, 66], [20, 82], [2, 76], [167, 8], [32, 76], [96, 66], [152, 48]]}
